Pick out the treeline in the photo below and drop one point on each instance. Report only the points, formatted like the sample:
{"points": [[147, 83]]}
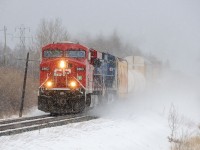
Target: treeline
{"points": [[48, 31], [112, 44]]}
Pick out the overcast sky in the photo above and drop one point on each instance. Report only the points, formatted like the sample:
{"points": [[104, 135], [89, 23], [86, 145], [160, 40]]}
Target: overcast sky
{"points": [[169, 29]]}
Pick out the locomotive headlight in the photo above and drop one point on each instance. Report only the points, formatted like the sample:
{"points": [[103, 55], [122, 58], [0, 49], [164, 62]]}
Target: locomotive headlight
{"points": [[49, 84], [72, 84], [62, 64]]}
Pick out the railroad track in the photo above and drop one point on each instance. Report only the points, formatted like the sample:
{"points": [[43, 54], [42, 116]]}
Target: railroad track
{"points": [[16, 126]]}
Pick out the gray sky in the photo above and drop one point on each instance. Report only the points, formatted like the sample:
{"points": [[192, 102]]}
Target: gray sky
{"points": [[169, 29]]}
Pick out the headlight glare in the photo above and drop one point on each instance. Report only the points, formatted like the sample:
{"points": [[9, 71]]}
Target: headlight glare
{"points": [[62, 64], [73, 84], [49, 84]]}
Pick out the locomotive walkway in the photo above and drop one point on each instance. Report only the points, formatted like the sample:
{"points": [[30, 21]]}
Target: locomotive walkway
{"points": [[16, 126]]}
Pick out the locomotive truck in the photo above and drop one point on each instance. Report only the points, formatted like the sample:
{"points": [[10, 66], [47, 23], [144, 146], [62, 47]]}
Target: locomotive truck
{"points": [[71, 74]]}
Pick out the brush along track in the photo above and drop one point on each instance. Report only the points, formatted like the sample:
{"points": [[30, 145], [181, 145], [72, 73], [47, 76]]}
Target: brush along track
{"points": [[24, 125]]}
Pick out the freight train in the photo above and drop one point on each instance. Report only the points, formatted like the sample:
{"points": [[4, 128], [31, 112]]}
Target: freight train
{"points": [[71, 75]]}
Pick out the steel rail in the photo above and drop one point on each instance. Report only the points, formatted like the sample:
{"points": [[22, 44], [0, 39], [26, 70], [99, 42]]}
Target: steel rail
{"points": [[40, 123], [7, 121]]}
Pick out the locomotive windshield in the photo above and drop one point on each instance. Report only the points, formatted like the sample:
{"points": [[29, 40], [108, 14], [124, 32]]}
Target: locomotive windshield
{"points": [[75, 53], [53, 53]]}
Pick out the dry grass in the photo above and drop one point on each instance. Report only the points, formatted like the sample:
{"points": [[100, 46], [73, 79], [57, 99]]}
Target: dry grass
{"points": [[11, 82], [192, 143], [182, 136]]}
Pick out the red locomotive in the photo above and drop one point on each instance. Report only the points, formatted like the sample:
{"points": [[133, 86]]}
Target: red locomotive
{"points": [[71, 74]]}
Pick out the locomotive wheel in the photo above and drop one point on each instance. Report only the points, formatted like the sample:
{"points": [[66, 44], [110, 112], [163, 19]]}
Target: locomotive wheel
{"points": [[54, 114], [88, 100], [79, 105]]}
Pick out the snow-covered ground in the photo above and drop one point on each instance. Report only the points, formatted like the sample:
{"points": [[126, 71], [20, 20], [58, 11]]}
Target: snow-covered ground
{"points": [[140, 122], [137, 131]]}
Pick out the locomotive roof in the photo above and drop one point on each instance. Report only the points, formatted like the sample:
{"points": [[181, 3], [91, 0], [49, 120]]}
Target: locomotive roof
{"points": [[65, 45]]}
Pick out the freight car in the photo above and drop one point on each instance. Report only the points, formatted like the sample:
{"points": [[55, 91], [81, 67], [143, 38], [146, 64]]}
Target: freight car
{"points": [[71, 74]]}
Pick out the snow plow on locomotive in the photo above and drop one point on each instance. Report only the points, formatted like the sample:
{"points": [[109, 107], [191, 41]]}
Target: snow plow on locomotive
{"points": [[71, 74]]}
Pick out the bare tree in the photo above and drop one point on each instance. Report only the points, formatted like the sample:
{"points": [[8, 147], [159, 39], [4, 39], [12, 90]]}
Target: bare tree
{"points": [[50, 31], [182, 136], [1, 53], [112, 44], [173, 125]]}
